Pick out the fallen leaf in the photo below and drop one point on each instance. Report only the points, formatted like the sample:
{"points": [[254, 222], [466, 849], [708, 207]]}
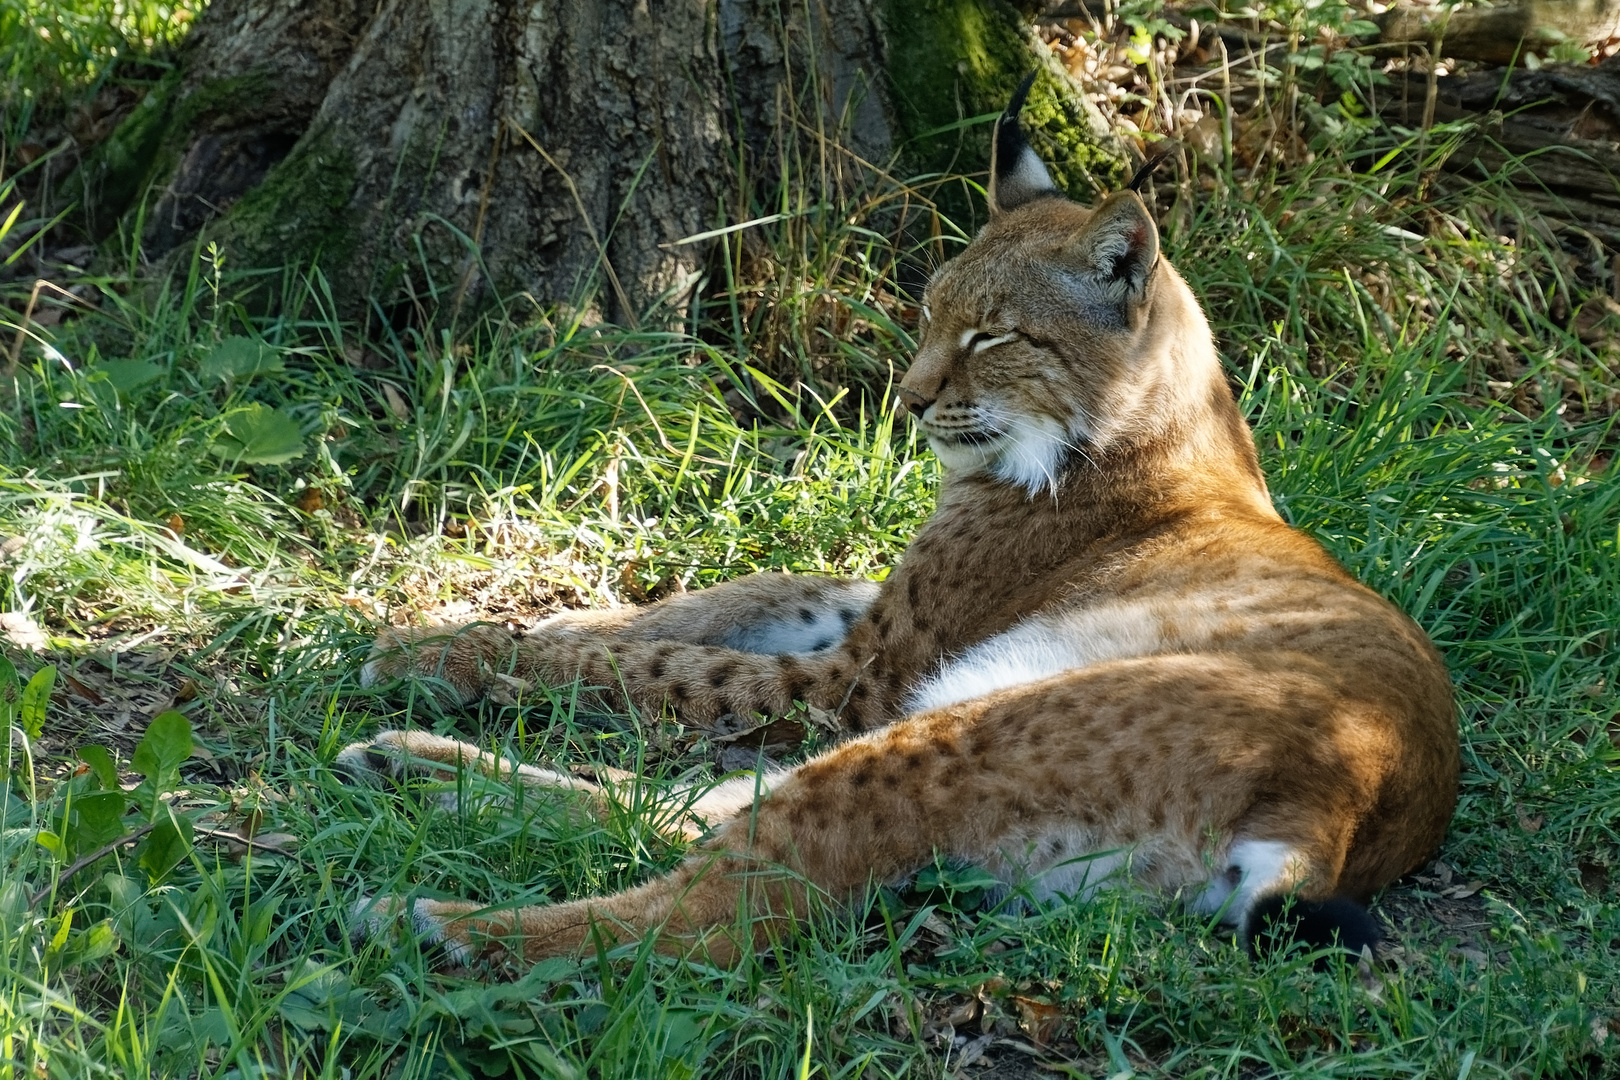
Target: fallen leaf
{"points": [[87, 692], [965, 1013], [396, 403], [1039, 1020], [311, 501], [504, 689], [177, 525], [1462, 892], [23, 632], [1530, 823], [973, 1051]]}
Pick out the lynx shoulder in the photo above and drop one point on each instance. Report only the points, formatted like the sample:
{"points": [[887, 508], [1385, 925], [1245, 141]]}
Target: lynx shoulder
{"points": [[1104, 656]]}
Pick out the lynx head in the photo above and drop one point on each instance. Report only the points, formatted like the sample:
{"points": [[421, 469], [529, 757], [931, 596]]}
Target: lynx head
{"points": [[1058, 333]]}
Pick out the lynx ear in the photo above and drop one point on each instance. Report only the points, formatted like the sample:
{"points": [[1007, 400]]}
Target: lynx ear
{"points": [[1119, 248], [1016, 174]]}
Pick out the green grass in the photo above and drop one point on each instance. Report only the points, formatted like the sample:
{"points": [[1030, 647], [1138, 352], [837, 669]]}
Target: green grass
{"points": [[513, 467]]}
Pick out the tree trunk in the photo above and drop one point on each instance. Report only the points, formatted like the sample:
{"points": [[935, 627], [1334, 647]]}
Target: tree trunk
{"points": [[431, 153]]}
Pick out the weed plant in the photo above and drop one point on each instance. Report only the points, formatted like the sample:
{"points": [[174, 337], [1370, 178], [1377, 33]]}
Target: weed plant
{"points": [[210, 511]]}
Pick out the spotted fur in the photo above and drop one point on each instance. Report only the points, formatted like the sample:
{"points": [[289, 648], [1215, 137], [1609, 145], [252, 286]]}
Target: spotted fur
{"points": [[1105, 655]]}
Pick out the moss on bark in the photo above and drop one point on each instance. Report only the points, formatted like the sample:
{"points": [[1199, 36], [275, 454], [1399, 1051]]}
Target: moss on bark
{"points": [[118, 171], [296, 212], [146, 147], [951, 60]]}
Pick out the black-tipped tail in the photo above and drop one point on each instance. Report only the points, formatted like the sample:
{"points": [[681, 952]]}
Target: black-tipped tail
{"points": [[1278, 921]]}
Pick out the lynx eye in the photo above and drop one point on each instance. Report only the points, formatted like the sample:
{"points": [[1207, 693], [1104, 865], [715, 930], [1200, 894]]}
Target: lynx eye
{"points": [[976, 341]]}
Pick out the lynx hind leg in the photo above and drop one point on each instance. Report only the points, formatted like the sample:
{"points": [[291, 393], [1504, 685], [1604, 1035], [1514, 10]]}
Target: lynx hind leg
{"points": [[770, 613], [467, 659]]}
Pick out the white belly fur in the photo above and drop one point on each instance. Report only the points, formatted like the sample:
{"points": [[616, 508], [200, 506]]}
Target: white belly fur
{"points": [[1039, 648]]}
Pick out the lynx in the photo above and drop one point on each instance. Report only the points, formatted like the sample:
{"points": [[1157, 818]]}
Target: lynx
{"points": [[1105, 655]]}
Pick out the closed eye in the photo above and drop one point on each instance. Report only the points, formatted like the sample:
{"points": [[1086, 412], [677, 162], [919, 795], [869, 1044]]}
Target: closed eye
{"points": [[976, 341]]}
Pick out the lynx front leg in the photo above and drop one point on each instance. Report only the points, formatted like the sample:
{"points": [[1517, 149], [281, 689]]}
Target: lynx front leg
{"points": [[754, 645], [700, 682], [688, 813]]}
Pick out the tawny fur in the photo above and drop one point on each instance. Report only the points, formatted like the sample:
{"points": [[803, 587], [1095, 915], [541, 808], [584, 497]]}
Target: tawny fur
{"points": [[1104, 642]]}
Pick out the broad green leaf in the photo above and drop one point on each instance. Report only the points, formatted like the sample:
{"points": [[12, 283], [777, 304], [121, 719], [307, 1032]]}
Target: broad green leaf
{"points": [[239, 358], [101, 764], [63, 928], [14, 813], [36, 698], [128, 375], [164, 846], [165, 745], [51, 843], [257, 435], [96, 942], [97, 819], [10, 693]]}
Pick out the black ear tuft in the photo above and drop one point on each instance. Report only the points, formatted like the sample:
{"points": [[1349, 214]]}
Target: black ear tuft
{"points": [[1016, 173], [1145, 172], [1277, 920]]}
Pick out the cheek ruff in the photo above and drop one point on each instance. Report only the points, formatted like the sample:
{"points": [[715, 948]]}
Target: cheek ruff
{"points": [[1021, 449]]}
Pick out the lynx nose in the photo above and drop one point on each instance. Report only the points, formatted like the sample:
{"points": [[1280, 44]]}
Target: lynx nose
{"points": [[914, 401]]}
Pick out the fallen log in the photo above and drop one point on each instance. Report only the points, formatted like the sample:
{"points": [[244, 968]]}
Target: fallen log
{"points": [[1503, 33]]}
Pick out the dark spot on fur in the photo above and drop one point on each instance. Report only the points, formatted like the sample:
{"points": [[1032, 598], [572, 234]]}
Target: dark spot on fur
{"points": [[861, 776], [824, 644], [377, 760], [913, 761], [655, 668], [847, 616], [911, 590], [880, 823], [721, 675], [1126, 786], [806, 615]]}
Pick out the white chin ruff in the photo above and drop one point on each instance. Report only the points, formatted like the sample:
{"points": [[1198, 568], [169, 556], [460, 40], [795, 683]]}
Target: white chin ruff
{"points": [[1027, 454]]}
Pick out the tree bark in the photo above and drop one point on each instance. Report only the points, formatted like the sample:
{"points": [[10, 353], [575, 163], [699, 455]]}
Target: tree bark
{"points": [[431, 153], [1505, 32]]}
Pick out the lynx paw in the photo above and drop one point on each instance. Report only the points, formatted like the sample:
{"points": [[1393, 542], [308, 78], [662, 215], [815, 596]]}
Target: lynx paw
{"points": [[390, 756], [464, 775], [430, 922], [467, 660]]}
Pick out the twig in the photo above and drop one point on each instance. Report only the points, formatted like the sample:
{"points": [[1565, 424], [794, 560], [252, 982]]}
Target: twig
{"points": [[85, 860], [248, 841], [28, 313], [130, 837]]}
